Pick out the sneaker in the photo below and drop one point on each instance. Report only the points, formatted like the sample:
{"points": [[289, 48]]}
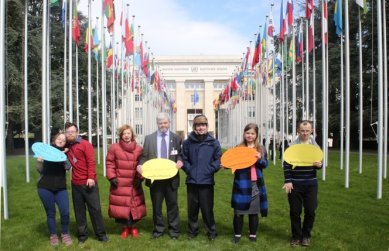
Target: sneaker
{"points": [[54, 240], [66, 239], [295, 242], [103, 239], [253, 238], [212, 237], [306, 242], [134, 232]]}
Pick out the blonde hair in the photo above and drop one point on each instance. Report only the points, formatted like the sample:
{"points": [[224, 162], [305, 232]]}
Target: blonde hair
{"points": [[257, 145], [125, 127]]}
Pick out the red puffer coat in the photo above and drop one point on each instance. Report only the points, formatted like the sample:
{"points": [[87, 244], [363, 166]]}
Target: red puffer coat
{"points": [[126, 199]]}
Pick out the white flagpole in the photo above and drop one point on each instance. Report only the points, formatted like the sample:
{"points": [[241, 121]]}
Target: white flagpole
{"points": [[314, 75], [70, 62], [3, 166], [324, 89], [113, 91], [97, 112], [341, 104], [380, 128], [293, 83], [385, 92], [44, 76], [360, 93], [89, 76], [347, 41], [103, 94], [77, 93], [282, 93], [274, 114], [65, 68], [26, 139], [306, 69]]}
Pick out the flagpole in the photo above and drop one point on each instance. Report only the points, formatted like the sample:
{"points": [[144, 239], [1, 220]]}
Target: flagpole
{"points": [[274, 116], [89, 76], [65, 66], [44, 76], [380, 129], [347, 40], [48, 72], [360, 93], [103, 94], [26, 132], [113, 90], [293, 83], [70, 62], [314, 74], [385, 86], [306, 69], [282, 91], [324, 89], [341, 104], [97, 107], [77, 93], [3, 165]]}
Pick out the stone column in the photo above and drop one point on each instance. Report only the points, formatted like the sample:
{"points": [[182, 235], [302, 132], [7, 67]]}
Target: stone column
{"points": [[208, 104]]}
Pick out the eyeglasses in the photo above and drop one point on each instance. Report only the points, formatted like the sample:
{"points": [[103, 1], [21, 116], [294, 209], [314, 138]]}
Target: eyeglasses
{"points": [[70, 132]]}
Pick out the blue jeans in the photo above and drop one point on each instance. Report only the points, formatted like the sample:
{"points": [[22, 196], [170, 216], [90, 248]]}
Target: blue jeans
{"points": [[49, 199]]}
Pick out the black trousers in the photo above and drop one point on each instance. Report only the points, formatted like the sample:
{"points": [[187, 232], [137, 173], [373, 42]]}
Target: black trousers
{"points": [[302, 196], [162, 190], [200, 197], [84, 197]]}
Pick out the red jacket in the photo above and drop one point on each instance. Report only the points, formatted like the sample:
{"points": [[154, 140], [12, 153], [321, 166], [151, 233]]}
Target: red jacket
{"points": [[82, 158], [126, 199]]}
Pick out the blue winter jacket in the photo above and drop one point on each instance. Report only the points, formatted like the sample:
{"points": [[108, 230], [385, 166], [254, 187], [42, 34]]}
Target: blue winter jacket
{"points": [[201, 159]]}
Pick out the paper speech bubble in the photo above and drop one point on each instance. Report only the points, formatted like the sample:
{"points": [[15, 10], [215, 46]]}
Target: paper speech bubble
{"points": [[159, 169], [303, 155], [239, 158], [47, 152]]}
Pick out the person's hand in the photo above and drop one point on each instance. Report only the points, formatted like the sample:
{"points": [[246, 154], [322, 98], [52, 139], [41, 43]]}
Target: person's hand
{"points": [[90, 183], [139, 169], [258, 155], [179, 164], [114, 183], [65, 150], [40, 159], [288, 187], [317, 164]]}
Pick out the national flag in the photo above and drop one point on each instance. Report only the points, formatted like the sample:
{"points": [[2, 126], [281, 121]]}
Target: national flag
{"points": [[128, 38], [88, 35], [291, 55], [54, 3], [109, 12], [145, 64], [257, 51], [246, 60], [270, 33], [283, 26], [338, 17], [300, 47], [96, 43], [325, 22], [310, 34], [309, 8], [110, 56], [264, 38], [63, 13], [76, 29], [362, 4], [289, 13]]}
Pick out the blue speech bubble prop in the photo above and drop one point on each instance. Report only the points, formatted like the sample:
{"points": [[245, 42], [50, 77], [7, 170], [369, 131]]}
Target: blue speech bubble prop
{"points": [[47, 152]]}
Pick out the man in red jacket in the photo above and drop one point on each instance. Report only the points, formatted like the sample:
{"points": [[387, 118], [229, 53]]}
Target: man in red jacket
{"points": [[85, 191]]}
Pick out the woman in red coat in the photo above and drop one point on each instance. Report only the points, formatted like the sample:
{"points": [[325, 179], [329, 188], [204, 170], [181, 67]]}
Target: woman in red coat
{"points": [[126, 198]]}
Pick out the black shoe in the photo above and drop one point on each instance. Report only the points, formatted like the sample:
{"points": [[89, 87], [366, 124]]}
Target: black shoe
{"points": [[212, 237], [191, 236], [306, 242], [295, 242], [253, 238], [235, 239], [103, 239], [156, 235]]}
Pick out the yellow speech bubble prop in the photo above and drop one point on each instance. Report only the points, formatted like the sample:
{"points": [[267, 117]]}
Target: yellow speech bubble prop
{"points": [[159, 169], [239, 158], [303, 155]]}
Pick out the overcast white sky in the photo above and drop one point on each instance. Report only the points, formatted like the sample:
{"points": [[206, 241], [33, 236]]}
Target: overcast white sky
{"points": [[196, 27]]}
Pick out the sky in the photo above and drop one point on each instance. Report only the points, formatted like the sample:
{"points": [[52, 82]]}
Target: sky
{"points": [[196, 27]]}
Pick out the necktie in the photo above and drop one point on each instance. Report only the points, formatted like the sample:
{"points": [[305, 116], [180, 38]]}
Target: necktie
{"points": [[163, 146]]}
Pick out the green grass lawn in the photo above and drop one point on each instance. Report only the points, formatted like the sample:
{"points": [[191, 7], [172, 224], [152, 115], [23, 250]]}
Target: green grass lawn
{"points": [[347, 219]]}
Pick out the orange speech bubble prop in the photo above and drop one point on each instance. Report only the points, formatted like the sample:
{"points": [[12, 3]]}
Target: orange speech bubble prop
{"points": [[239, 158]]}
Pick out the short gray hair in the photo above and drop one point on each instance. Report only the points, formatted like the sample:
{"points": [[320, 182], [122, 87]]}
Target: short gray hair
{"points": [[163, 115]]}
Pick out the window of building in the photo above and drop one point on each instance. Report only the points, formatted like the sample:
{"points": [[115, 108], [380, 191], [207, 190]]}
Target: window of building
{"points": [[138, 112], [194, 85], [138, 129], [251, 111], [138, 97]]}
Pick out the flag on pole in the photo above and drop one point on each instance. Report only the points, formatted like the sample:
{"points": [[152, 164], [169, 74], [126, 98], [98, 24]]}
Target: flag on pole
{"points": [[362, 4], [54, 3], [110, 56], [291, 55], [246, 60], [325, 22], [338, 17], [264, 38], [300, 47], [289, 13], [128, 38], [311, 42], [257, 51], [196, 97], [63, 13], [270, 34], [283, 26], [309, 8], [88, 34], [76, 29], [109, 13]]}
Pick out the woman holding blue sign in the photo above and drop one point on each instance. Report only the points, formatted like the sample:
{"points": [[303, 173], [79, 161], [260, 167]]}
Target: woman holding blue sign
{"points": [[126, 199], [52, 190], [248, 191]]}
